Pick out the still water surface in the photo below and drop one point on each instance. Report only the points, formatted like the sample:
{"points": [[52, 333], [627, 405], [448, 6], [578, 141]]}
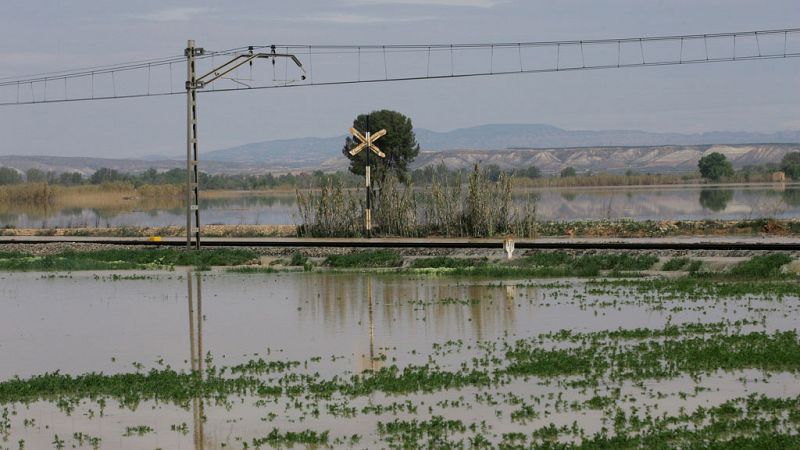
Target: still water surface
{"points": [[82, 322], [640, 203]]}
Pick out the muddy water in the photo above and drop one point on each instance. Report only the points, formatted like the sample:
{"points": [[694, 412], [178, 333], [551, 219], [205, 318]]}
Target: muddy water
{"points": [[112, 322]]}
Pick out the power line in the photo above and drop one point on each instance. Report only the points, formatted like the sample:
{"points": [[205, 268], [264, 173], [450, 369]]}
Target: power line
{"points": [[372, 63]]}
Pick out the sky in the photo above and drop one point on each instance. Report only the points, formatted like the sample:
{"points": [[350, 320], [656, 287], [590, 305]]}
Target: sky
{"points": [[41, 36]]}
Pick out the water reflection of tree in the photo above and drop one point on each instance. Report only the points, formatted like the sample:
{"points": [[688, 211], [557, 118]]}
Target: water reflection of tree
{"points": [[569, 196], [715, 199], [792, 197]]}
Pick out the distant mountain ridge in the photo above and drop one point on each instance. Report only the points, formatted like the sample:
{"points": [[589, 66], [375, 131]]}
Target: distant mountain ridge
{"points": [[653, 159], [287, 152], [507, 145]]}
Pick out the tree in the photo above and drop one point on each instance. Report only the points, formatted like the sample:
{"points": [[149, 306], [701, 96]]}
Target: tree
{"points": [[70, 179], [568, 172], [105, 175], [9, 176], [714, 166], [493, 172], [532, 172], [399, 144], [790, 164], [35, 176]]}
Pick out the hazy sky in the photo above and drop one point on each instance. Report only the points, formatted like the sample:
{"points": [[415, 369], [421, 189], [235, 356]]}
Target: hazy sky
{"points": [[38, 36]]}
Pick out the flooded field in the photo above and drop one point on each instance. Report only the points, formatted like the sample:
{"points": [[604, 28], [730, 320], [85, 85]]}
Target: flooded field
{"points": [[253, 208], [212, 360]]}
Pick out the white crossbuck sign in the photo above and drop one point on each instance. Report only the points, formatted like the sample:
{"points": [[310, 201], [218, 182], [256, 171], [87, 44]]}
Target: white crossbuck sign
{"points": [[367, 141]]}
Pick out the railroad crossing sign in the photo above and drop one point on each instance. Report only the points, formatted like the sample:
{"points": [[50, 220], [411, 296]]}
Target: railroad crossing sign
{"points": [[367, 142]]}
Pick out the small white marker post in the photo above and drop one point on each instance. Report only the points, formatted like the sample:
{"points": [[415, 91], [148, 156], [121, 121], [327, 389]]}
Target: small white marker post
{"points": [[367, 141], [508, 246]]}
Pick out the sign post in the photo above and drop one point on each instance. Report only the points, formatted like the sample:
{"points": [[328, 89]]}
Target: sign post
{"points": [[367, 142]]}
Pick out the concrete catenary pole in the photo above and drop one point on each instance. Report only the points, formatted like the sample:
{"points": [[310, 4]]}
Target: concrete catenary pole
{"points": [[192, 179]]}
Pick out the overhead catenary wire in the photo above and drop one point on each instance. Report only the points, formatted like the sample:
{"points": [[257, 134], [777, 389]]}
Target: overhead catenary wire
{"points": [[464, 62]]}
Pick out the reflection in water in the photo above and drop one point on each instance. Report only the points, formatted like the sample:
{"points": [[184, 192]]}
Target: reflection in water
{"points": [[438, 308], [372, 363], [326, 320], [196, 354], [792, 197], [715, 199], [679, 202]]}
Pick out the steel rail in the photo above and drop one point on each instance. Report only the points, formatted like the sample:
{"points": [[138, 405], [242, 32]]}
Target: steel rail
{"points": [[764, 244]]}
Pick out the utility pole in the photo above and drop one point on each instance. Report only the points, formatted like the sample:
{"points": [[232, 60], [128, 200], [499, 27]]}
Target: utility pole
{"points": [[192, 180], [193, 83]]}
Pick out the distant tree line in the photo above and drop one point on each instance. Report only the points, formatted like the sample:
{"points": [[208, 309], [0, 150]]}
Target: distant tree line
{"points": [[441, 173], [714, 167], [152, 176]]}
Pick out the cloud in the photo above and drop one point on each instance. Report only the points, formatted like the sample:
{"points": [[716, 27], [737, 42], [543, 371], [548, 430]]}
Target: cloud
{"points": [[469, 3], [350, 19], [175, 14]]}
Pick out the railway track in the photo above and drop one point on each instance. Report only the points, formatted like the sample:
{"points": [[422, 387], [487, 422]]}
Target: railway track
{"points": [[675, 243]]}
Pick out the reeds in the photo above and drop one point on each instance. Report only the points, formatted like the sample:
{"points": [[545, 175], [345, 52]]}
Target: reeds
{"points": [[38, 195], [329, 212], [483, 209], [27, 194], [395, 211]]}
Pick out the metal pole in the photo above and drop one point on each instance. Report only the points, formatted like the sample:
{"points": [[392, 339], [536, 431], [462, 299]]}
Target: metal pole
{"points": [[192, 181]]}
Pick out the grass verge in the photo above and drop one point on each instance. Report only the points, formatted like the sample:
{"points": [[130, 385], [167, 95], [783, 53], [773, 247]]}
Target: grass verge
{"points": [[118, 259]]}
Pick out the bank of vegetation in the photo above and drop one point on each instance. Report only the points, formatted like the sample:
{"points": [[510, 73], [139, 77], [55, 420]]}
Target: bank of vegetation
{"points": [[545, 264]]}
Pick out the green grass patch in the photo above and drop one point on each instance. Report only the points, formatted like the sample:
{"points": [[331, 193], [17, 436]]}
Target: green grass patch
{"points": [[563, 264], [675, 264], [766, 266], [251, 269], [298, 259], [444, 262], [542, 265], [117, 259], [367, 259]]}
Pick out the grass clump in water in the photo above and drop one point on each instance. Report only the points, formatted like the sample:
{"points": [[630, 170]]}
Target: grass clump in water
{"points": [[277, 439], [372, 258]]}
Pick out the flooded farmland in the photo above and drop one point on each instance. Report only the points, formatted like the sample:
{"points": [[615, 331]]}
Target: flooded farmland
{"points": [[210, 360], [689, 202]]}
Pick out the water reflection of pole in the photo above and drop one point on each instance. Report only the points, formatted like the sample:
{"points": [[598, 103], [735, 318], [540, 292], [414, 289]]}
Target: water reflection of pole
{"points": [[371, 324], [196, 360]]}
